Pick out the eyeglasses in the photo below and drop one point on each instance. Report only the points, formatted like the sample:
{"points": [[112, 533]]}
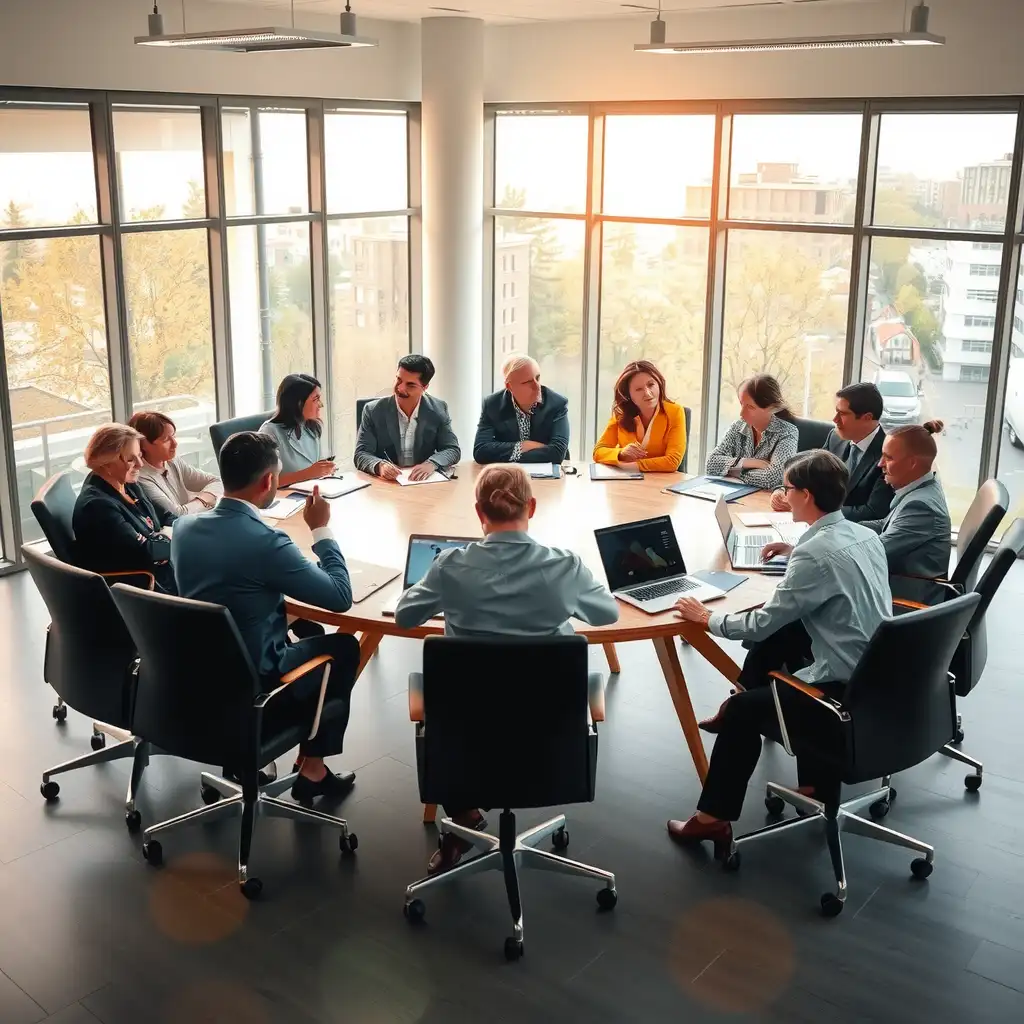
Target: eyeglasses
{"points": [[789, 487]]}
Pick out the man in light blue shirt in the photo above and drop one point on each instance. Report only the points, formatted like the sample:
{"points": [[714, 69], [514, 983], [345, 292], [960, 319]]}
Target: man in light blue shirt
{"points": [[836, 590]]}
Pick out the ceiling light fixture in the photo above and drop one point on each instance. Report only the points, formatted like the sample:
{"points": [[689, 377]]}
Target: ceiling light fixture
{"points": [[918, 35], [254, 40]]}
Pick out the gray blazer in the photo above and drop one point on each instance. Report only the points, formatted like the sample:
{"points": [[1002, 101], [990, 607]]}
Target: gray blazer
{"points": [[379, 438], [915, 533]]}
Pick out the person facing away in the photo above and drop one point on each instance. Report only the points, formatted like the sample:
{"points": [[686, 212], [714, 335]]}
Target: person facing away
{"points": [[816, 626], [505, 585], [407, 430], [297, 426], [170, 483], [760, 443], [916, 531], [646, 430], [857, 439], [524, 422], [117, 528], [231, 556]]}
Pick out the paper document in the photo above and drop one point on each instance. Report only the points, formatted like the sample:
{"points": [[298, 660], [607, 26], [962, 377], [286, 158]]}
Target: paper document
{"points": [[713, 491], [766, 518], [282, 508], [434, 478], [539, 469], [333, 486]]}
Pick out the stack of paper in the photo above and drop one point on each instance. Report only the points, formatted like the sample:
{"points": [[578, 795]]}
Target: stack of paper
{"points": [[434, 478]]}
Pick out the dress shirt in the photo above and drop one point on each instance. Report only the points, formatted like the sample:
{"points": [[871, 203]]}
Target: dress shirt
{"points": [[778, 444], [837, 585], [524, 419], [175, 486], [319, 534], [407, 432]]}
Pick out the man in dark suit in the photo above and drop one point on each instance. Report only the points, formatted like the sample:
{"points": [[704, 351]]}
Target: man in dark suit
{"points": [[232, 556], [857, 439], [525, 422], [408, 429]]}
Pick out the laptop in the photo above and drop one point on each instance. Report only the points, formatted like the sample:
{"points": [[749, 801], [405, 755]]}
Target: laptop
{"points": [[744, 546], [423, 549], [645, 567], [367, 578]]}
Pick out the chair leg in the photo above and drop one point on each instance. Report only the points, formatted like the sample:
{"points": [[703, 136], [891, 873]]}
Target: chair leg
{"points": [[248, 802], [104, 755], [786, 825], [507, 834], [272, 807], [547, 861], [212, 812], [832, 903], [478, 840], [866, 799], [140, 762], [872, 830], [115, 733], [806, 804], [535, 836], [956, 754], [220, 784], [279, 785], [490, 861]]}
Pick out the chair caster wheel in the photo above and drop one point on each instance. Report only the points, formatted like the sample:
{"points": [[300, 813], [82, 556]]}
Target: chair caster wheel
{"points": [[209, 795], [153, 852], [98, 741], [879, 809], [133, 819], [414, 911], [831, 905], [60, 713], [251, 888], [607, 897], [958, 736], [774, 805], [560, 839], [921, 868], [973, 783], [513, 948], [50, 791], [732, 862], [349, 844]]}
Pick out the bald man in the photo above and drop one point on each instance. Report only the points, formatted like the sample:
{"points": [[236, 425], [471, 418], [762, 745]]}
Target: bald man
{"points": [[525, 422], [916, 532]]}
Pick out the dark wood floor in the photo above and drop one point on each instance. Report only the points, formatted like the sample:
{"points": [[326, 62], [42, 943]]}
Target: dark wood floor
{"points": [[89, 932]]}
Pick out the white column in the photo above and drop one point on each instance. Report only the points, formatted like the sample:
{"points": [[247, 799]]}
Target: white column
{"points": [[453, 200]]}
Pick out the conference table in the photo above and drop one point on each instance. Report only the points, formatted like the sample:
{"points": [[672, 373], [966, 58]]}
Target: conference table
{"points": [[374, 524]]}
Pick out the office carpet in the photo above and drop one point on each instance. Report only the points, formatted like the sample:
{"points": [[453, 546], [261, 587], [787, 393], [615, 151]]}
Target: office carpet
{"points": [[89, 932]]}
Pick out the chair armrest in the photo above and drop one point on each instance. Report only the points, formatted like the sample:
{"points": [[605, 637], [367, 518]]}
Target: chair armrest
{"points": [[901, 602], [142, 573], [797, 684], [296, 673], [816, 695], [416, 711], [595, 696]]}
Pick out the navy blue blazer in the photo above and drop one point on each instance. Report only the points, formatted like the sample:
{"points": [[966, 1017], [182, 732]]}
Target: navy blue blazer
{"points": [[498, 430], [232, 556]]}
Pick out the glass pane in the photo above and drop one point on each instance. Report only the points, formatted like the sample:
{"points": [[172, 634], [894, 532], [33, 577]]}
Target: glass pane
{"points": [[282, 184], [368, 266], [1011, 447], [46, 167], [794, 167], [944, 170], [271, 310], [541, 162], [785, 314], [538, 302], [167, 291], [653, 289], [367, 161], [658, 165], [159, 163], [51, 302]]}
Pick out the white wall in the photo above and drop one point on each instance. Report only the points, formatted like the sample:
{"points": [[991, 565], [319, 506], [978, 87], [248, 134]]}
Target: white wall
{"points": [[595, 60], [87, 44]]}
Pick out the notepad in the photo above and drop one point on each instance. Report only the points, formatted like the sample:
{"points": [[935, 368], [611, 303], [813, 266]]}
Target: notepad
{"points": [[601, 471], [333, 486], [434, 478], [766, 518], [282, 508]]}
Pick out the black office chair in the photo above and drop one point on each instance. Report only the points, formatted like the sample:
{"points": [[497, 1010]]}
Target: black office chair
{"points": [[522, 739], [688, 416], [811, 434], [361, 404], [220, 432], [211, 711], [897, 710], [89, 662]]}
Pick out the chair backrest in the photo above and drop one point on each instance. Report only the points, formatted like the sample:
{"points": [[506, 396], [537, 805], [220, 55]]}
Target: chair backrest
{"points": [[506, 722], [361, 404], [196, 683], [687, 416], [810, 433], [89, 653], [54, 509], [899, 696], [220, 432], [977, 529]]}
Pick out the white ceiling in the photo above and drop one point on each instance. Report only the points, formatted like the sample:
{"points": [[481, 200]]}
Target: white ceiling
{"points": [[513, 11]]}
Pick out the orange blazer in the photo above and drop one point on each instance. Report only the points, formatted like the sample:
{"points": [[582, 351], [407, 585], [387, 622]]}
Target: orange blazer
{"points": [[665, 441]]}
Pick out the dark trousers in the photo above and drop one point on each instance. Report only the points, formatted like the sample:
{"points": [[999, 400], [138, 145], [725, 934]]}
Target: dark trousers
{"points": [[297, 703], [786, 650]]}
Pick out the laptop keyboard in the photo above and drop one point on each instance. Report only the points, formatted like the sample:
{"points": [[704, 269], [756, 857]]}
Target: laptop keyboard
{"points": [[758, 540], [663, 589]]}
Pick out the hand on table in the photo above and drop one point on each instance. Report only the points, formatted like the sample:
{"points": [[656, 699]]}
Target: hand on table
{"points": [[777, 547], [422, 471], [316, 512], [690, 609], [779, 503], [387, 471], [633, 452]]}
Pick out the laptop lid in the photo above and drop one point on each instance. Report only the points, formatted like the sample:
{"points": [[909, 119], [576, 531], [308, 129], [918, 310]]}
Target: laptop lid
{"points": [[423, 549], [724, 520], [641, 552]]}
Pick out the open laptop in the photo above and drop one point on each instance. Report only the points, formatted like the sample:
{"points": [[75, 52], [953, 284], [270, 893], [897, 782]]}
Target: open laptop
{"points": [[423, 549], [645, 567], [744, 546]]}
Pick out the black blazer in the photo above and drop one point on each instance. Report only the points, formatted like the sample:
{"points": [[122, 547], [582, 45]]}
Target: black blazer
{"points": [[497, 433], [868, 496], [112, 535]]}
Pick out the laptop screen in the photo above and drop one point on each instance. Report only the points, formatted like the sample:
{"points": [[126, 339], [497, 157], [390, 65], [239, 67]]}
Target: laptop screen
{"points": [[636, 553], [724, 519], [423, 551]]}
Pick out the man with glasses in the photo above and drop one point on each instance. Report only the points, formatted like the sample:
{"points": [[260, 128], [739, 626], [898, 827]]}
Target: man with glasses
{"points": [[408, 429]]}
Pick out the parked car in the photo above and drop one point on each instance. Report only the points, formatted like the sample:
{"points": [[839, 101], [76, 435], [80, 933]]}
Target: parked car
{"points": [[1013, 411], [901, 398]]}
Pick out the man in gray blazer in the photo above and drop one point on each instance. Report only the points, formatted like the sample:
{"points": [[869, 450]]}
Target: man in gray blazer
{"points": [[232, 556], [408, 429]]}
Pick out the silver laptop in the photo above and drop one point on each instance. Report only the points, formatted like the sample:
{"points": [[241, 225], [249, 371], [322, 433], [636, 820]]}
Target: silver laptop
{"points": [[745, 546], [367, 578], [645, 567], [423, 550]]}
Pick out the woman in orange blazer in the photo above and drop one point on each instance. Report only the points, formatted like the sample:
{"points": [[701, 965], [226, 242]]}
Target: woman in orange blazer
{"points": [[646, 429]]}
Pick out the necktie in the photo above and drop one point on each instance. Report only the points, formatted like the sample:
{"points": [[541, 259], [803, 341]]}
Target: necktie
{"points": [[852, 458]]}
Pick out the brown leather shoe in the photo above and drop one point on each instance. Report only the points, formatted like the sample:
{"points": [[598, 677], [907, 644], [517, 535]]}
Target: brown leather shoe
{"points": [[713, 725], [449, 852], [692, 831]]}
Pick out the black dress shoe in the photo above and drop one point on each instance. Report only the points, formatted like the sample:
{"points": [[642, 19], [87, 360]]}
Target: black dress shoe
{"points": [[332, 786], [267, 774]]}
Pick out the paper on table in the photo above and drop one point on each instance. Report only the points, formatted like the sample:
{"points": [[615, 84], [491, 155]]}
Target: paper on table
{"points": [[282, 508], [710, 490], [766, 518], [434, 478], [539, 469]]}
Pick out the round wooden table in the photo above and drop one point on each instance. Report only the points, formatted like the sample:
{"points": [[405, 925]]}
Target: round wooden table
{"points": [[374, 524]]}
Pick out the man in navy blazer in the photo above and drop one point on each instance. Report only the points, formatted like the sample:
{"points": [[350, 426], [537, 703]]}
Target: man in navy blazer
{"points": [[232, 556], [525, 422]]}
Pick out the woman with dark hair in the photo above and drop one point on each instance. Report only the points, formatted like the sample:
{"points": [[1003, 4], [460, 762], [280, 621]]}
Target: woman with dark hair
{"points": [[646, 429], [296, 426], [758, 445]]}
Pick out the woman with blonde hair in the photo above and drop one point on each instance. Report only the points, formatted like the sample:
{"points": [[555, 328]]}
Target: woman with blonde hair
{"points": [[117, 528], [506, 585]]}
